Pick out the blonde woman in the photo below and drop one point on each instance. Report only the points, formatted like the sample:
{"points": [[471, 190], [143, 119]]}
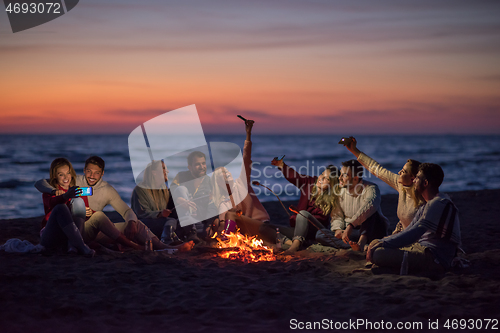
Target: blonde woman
{"points": [[153, 204], [317, 201], [409, 201], [64, 212]]}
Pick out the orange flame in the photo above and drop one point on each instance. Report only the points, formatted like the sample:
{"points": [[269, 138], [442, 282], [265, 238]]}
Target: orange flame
{"points": [[250, 249]]}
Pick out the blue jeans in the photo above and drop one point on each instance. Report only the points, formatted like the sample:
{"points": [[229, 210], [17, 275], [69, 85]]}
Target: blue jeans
{"points": [[78, 212], [327, 237], [60, 217]]}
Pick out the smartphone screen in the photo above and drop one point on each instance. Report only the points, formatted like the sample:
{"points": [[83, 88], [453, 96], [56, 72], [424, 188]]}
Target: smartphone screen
{"points": [[86, 191], [279, 158]]}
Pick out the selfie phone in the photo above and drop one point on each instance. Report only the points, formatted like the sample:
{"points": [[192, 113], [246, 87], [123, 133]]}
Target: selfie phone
{"points": [[242, 118], [86, 191], [279, 158], [345, 141]]}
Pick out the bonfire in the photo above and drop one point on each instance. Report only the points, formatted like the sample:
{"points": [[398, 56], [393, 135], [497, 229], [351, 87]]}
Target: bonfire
{"points": [[236, 246]]}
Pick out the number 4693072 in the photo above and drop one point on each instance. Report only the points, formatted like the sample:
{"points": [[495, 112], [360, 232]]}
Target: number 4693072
{"points": [[34, 8]]}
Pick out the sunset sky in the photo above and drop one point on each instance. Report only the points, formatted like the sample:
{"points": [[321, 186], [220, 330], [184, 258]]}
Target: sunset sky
{"points": [[293, 66]]}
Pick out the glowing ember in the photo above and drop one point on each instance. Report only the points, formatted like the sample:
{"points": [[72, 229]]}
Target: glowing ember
{"points": [[244, 248]]}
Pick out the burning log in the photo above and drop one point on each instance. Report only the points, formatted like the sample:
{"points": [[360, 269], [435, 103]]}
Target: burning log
{"points": [[240, 247]]}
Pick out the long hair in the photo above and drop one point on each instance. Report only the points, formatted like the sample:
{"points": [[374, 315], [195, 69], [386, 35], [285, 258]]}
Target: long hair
{"points": [[327, 200], [416, 197], [56, 164], [154, 184]]}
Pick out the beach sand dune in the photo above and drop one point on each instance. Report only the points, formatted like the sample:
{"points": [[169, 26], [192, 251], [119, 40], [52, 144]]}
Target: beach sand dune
{"points": [[197, 292]]}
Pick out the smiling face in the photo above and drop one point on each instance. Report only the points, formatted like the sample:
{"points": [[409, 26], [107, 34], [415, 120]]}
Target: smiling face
{"points": [[198, 167], [405, 176], [323, 181], [93, 174], [63, 176], [345, 179]]}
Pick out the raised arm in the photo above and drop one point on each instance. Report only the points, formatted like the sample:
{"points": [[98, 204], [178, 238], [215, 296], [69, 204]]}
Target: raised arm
{"points": [[293, 176], [390, 178], [247, 150], [43, 186]]}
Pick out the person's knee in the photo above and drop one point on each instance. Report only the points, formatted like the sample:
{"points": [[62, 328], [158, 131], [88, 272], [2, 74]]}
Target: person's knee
{"points": [[98, 219], [320, 237], [78, 208], [60, 209], [302, 217], [98, 215], [378, 256]]}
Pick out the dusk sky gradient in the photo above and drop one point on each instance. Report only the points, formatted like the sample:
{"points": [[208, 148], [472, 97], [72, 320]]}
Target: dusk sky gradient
{"points": [[379, 67]]}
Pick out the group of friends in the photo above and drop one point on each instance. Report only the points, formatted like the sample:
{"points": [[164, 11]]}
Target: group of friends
{"points": [[338, 208]]}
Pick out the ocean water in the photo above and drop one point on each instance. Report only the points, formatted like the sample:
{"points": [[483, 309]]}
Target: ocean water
{"points": [[469, 162]]}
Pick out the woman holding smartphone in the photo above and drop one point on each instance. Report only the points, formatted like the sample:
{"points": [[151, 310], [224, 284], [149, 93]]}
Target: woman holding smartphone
{"points": [[65, 214], [409, 201]]}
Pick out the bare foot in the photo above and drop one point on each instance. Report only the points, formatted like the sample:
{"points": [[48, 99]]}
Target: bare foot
{"points": [[355, 246], [185, 247], [293, 248]]}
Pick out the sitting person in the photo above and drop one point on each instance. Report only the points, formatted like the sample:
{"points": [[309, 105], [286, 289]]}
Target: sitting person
{"points": [[408, 201], [359, 202], [235, 199], [98, 226], [191, 191], [153, 204], [62, 176], [432, 238], [60, 227], [317, 201]]}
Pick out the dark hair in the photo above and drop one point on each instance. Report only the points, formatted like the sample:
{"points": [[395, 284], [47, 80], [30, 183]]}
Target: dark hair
{"points": [[355, 167], [414, 165], [56, 164], [334, 171], [95, 160], [433, 173], [193, 155]]}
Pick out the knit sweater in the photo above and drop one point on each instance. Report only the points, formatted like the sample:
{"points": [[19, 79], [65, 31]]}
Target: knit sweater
{"points": [[355, 209], [436, 226], [104, 194], [406, 206]]}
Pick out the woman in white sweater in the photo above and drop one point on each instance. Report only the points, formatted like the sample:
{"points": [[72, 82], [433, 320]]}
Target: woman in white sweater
{"points": [[402, 182]]}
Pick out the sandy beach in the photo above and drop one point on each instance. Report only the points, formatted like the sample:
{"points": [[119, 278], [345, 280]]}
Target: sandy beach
{"points": [[197, 292]]}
